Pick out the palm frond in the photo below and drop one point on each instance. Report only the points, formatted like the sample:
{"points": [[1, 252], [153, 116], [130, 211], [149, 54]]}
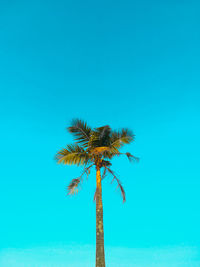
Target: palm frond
{"points": [[73, 155], [131, 157], [118, 183], [95, 195], [73, 186], [112, 173], [120, 138], [99, 137], [104, 174], [105, 163], [87, 170], [81, 132], [110, 153], [122, 190], [104, 134]]}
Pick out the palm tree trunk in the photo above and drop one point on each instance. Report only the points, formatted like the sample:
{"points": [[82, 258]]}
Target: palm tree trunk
{"points": [[100, 256]]}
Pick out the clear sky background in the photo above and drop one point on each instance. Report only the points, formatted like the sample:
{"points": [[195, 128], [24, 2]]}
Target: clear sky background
{"points": [[129, 64]]}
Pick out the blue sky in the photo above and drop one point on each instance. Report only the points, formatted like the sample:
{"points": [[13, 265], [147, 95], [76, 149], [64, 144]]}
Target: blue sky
{"points": [[127, 64]]}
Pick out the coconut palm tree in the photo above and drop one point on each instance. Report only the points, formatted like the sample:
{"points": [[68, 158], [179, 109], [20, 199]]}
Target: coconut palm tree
{"points": [[95, 148]]}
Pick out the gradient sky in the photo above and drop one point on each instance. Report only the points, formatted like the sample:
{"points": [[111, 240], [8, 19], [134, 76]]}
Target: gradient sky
{"points": [[129, 64]]}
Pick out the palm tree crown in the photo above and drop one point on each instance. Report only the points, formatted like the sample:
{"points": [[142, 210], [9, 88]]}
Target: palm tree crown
{"points": [[94, 147]]}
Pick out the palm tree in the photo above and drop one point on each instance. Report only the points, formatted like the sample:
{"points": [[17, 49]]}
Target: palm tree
{"points": [[95, 147]]}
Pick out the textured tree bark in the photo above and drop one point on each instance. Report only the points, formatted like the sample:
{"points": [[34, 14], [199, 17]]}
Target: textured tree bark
{"points": [[100, 256]]}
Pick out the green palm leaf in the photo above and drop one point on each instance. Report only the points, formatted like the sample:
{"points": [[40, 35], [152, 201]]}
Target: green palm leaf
{"points": [[99, 137], [81, 132], [73, 155], [120, 138]]}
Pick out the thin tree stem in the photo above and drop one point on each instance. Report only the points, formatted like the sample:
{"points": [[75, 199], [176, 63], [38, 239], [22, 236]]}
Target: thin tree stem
{"points": [[100, 255]]}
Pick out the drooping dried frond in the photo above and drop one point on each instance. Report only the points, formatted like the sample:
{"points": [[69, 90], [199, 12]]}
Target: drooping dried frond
{"points": [[87, 170], [73, 155], [95, 195], [112, 173], [118, 183], [81, 132], [122, 191], [73, 186], [131, 157], [105, 163], [104, 174]]}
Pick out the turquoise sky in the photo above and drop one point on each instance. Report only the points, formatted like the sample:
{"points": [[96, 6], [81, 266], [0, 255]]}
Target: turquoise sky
{"points": [[129, 64]]}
